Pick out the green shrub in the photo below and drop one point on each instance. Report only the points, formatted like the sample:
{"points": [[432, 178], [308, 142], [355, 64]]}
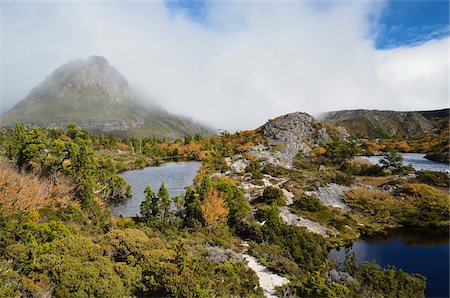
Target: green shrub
{"points": [[343, 179], [253, 168], [308, 203], [433, 178], [270, 195]]}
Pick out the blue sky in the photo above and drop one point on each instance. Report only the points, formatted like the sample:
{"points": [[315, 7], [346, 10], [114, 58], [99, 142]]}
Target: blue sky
{"points": [[400, 23], [409, 23]]}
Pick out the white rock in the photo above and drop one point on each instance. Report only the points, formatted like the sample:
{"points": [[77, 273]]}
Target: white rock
{"points": [[293, 219], [239, 166]]}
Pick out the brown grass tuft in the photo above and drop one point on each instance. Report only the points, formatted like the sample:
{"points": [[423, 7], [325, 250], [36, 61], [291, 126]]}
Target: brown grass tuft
{"points": [[20, 191]]}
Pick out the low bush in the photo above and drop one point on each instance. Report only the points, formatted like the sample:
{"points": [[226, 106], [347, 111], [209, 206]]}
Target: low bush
{"points": [[309, 203], [379, 206], [433, 178], [343, 179], [270, 195], [253, 168]]}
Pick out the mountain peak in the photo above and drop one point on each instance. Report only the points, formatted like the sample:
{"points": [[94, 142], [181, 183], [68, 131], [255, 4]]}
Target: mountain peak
{"points": [[95, 95], [98, 60], [92, 77]]}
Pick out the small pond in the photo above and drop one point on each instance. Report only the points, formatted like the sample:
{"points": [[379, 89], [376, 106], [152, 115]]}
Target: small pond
{"points": [[175, 175], [424, 251], [417, 160]]}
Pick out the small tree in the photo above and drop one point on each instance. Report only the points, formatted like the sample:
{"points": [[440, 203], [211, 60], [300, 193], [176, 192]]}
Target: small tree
{"points": [[150, 206], [164, 200], [340, 150], [270, 195], [192, 202], [392, 160], [213, 207]]}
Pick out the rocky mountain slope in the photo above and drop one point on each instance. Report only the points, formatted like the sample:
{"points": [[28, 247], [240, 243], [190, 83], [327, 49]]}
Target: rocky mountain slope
{"points": [[93, 94], [388, 124], [287, 135]]}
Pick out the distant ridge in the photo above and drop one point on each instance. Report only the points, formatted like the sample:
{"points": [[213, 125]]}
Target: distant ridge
{"points": [[388, 124], [96, 96]]}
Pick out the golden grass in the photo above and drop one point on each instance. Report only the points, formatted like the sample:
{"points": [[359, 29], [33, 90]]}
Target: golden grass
{"points": [[27, 191]]}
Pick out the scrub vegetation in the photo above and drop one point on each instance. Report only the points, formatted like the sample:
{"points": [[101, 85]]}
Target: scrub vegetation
{"points": [[58, 238]]}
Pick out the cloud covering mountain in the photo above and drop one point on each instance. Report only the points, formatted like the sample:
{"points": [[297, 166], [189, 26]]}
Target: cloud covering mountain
{"points": [[234, 66]]}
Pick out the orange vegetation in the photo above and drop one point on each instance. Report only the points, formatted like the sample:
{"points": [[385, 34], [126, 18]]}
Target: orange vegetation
{"points": [[26, 191], [213, 207], [424, 144]]}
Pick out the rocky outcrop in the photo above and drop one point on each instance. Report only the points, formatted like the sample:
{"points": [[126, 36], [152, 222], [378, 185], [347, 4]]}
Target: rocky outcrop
{"points": [[292, 219], [290, 134], [332, 195], [238, 165]]}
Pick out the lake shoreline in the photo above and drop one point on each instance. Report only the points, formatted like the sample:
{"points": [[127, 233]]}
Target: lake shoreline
{"points": [[175, 175], [414, 250]]}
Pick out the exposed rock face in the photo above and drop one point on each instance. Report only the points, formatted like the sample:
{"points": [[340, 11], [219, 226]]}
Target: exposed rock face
{"points": [[385, 124], [292, 219], [93, 94], [239, 165], [332, 195], [290, 134]]}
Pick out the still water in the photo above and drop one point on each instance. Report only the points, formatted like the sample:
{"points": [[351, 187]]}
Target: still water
{"points": [[175, 175], [421, 251], [417, 160]]}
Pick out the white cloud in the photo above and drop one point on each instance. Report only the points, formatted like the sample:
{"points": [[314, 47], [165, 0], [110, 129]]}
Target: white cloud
{"points": [[253, 60]]}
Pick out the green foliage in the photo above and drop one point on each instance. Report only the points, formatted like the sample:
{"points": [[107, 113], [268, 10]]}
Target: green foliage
{"points": [[271, 195], [239, 209], [27, 147], [273, 257], [363, 170], [422, 206], [155, 209], [339, 150], [164, 199], [393, 160], [314, 284], [343, 179], [425, 206], [192, 202], [113, 187], [51, 153], [306, 249], [308, 203], [9, 280], [390, 282], [149, 207], [433, 178], [380, 207], [253, 168]]}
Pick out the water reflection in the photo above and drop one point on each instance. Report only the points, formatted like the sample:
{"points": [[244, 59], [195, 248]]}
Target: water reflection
{"points": [[417, 160], [424, 251]]}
